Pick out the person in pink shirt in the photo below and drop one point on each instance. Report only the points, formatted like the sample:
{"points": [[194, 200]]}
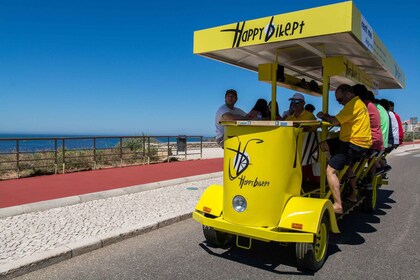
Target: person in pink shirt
{"points": [[400, 125], [375, 120], [374, 116]]}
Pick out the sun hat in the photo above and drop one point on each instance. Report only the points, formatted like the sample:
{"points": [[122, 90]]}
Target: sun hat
{"points": [[297, 96]]}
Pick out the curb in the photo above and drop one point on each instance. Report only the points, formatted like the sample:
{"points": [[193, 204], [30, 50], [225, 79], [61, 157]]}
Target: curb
{"points": [[66, 201], [68, 251]]}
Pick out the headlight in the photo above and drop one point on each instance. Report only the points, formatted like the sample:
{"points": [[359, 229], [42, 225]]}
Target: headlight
{"points": [[239, 203]]}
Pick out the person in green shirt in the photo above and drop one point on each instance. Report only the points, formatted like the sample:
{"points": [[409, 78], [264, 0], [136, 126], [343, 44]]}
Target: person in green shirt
{"points": [[383, 114]]}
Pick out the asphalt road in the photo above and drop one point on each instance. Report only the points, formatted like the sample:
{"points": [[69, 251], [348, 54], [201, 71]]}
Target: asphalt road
{"points": [[383, 245]]}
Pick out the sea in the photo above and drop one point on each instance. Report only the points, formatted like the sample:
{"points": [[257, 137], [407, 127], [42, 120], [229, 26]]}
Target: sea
{"points": [[42, 142]]}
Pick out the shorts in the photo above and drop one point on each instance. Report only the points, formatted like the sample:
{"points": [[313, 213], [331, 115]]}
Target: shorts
{"points": [[343, 153]]}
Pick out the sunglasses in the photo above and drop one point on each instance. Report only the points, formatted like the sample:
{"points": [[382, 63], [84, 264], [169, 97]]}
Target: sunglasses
{"points": [[295, 101]]}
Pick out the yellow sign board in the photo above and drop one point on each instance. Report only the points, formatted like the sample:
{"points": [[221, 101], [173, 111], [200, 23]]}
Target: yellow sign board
{"points": [[341, 66], [367, 36], [319, 21], [316, 29]]}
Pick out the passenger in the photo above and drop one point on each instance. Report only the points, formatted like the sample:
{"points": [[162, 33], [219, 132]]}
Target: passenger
{"points": [[227, 112], [384, 119], [269, 111], [375, 121], [389, 142], [259, 111], [297, 102], [354, 140], [393, 134], [374, 117], [400, 125], [395, 129], [310, 108]]}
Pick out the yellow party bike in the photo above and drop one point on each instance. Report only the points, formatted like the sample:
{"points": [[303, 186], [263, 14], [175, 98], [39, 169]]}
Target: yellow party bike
{"points": [[274, 182]]}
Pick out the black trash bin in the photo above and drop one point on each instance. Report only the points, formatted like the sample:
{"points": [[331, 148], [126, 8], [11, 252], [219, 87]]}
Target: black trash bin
{"points": [[181, 143]]}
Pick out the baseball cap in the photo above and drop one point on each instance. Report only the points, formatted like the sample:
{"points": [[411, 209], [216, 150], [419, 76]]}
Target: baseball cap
{"points": [[297, 96], [231, 91]]}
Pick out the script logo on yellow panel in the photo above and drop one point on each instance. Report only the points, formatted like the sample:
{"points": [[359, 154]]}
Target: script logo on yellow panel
{"points": [[241, 159], [245, 34]]}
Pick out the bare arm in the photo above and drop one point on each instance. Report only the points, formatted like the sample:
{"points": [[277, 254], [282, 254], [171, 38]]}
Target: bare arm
{"points": [[326, 117], [231, 117]]}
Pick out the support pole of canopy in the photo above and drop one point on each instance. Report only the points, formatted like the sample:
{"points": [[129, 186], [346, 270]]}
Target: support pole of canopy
{"points": [[324, 133], [274, 87]]}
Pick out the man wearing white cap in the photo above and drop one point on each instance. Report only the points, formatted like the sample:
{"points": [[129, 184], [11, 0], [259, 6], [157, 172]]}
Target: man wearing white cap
{"points": [[297, 103]]}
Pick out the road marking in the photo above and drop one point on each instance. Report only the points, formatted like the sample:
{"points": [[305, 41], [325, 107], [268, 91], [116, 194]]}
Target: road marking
{"points": [[402, 154]]}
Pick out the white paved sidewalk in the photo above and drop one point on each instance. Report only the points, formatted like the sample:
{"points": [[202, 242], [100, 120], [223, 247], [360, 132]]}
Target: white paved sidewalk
{"points": [[34, 240]]}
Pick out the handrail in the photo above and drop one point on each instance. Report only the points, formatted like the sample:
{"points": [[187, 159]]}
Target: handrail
{"points": [[92, 152]]}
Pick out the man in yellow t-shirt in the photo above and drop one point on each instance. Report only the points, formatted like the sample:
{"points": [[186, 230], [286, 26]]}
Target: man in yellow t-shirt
{"points": [[298, 112], [355, 139]]}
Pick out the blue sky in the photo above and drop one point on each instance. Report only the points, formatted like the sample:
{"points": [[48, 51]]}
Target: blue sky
{"points": [[127, 67]]}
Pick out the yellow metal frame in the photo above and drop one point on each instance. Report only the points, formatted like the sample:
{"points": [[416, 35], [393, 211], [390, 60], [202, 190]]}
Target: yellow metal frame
{"points": [[259, 233]]}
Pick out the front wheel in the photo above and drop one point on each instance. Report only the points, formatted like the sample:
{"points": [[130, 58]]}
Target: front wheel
{"points": [[216, 238], [311, 256]]}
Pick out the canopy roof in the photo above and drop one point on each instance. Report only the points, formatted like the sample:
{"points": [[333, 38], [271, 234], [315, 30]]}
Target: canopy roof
{"points": [[302, 39]]}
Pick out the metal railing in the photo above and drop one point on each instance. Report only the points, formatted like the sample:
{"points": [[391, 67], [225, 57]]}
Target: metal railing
{"points": [[36, 156]]}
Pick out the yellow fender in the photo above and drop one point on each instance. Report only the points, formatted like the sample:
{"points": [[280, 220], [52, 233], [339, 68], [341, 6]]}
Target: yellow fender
{"points": [[305, 214], [211, 201]]}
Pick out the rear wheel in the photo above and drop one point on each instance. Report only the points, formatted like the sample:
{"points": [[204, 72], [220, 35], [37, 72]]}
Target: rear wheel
{"points": [[216, 238], [311, 256]]}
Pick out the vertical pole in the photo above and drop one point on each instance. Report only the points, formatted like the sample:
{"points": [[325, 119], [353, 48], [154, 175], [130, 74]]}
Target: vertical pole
{"points": [[17, 158], [324, 133], [94, 153], [121, 151], [55, 156], [274, 87], [168, 149], [148, 150], [63, 149], [144, 147], [201, 147]]}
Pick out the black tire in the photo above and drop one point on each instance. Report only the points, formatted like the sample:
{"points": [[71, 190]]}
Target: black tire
{"points": [[311, 256], [216, 238]]}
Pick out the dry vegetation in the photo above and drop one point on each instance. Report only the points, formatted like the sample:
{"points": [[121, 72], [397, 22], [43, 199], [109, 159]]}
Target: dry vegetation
{"points": [[132, 152]]}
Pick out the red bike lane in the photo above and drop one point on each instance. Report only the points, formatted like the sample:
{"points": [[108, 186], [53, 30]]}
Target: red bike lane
{"points": [[34, 189]]}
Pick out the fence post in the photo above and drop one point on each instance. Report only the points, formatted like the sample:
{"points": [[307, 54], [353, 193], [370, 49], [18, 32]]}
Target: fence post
{"points": [[148, 149], [94, 153], [143, 139], [201, 147], [64, 154], [17, 158], [55, 156], [121, 152], [168, 149]]}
